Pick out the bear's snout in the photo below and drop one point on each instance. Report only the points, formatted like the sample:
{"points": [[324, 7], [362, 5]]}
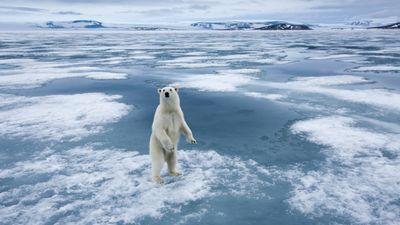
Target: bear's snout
{"points": [[166, 94]]}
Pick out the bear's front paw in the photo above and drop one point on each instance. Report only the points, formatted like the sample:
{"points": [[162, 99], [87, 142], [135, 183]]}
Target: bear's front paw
{"points": [[169, 147], [191, 140]]}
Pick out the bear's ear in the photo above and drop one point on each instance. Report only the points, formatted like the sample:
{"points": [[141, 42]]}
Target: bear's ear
{"points": [[159, 90], [176, 89]]}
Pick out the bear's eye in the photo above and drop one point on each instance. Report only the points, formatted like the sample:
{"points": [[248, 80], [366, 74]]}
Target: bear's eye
{"points": [[163, 90], [170, 89]]}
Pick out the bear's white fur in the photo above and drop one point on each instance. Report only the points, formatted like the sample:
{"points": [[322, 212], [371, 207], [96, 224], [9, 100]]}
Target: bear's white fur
{"points": [[168, 124]]}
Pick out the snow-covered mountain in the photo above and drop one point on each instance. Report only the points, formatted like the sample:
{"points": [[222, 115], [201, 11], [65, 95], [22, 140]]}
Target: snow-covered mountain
{"points": [[389, 26], [359, 23], [223, 25], [75, 24], [238, 25], [285, 26], [380, 23], [234, 25], [93, 24], [372, 22]]}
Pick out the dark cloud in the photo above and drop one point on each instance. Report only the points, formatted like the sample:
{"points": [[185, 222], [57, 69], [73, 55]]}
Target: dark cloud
{"points": [[312, 11], [105, 2], [68, 13], [162, 12], [22, 9], [198, 7]]}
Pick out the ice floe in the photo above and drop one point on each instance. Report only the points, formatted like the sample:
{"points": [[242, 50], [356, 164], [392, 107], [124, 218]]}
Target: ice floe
{"points": [[215, 82], [142, 56], [98, 75], [109, 186], [198, 61], [237, 57], [192, 62], [272, 61], [186, 59], [239, 71], [32, 73], [195, 53], [224, 80], [329, 80], [349, 140], [377, 68], [59, 117], [324, 85], [335, 56], [359, 180], [264, 96], [194, 65]]}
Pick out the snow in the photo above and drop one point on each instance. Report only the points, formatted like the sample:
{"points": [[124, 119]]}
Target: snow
{"points": [[59, 117], [113, 186], [322, 85], [214, 82], [264, 96], [377, 68], [357, 181], [33, 73]]}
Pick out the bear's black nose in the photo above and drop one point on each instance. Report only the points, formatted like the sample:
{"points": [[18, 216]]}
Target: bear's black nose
{"points": [[166, 94]]}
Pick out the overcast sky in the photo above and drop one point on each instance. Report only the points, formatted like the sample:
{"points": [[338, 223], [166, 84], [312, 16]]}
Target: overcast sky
{"points": [[185, 11]]}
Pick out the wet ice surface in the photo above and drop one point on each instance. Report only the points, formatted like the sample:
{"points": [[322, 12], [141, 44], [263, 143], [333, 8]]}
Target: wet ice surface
{"points": [[293, 127]]}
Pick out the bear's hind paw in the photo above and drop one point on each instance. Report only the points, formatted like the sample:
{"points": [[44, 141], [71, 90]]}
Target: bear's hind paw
{"points": [[175, 174], [158, 180]]}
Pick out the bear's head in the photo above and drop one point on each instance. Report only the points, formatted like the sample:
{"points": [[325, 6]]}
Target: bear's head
{"points": [[169, 95]]}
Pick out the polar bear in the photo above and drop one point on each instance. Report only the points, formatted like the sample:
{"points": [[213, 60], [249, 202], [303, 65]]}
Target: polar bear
{"points": [[168, 124]]}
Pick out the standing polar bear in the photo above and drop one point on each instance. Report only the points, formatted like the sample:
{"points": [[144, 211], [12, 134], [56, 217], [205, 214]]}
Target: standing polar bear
{"points": [[168, 124]]}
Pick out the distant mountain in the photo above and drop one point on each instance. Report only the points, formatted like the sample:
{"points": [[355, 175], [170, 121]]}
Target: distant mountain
{"points": [[389, 26], [238, 25], [135, 27], [76, 24], [235, 25], [221, 25], [285, 26], [360, 23], [377, 23], [93, 24]]}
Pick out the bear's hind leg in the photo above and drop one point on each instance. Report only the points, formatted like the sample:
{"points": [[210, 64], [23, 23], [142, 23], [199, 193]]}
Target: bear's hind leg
{"points": [[157, 165], [171, 161]]}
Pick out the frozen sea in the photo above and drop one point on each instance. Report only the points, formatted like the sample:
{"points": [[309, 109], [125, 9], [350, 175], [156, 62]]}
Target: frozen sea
{"points": [[297, 127]]}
